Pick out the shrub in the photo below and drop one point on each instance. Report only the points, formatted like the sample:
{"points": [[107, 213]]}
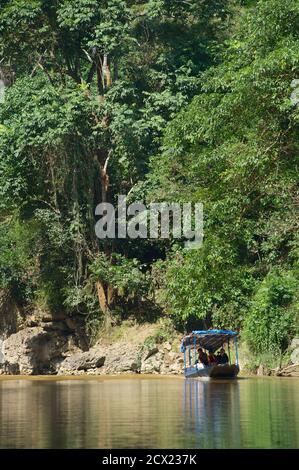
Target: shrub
{"points": [[271, 321]]}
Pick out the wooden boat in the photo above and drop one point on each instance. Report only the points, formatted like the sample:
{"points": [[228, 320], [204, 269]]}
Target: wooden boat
{"points": [[211, 341]]}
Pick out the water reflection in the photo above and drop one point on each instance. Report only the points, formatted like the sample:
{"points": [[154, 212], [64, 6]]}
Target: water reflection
{"points": [[212, 413], [246, 413], [270, 413], [108, 413], [149, 413]]}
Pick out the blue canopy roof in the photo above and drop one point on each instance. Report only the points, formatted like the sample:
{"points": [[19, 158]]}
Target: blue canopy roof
{"points": [[207, 339]]}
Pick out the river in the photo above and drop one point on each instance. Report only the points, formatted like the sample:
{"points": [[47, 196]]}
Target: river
{"points": [[148, 412]]}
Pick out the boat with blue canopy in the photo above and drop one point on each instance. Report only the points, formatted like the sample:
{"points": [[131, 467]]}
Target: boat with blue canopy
{"points": [[201, 344]]}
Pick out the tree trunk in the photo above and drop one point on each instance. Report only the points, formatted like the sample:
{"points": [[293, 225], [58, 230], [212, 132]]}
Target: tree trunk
{"points": [[103, 304]]}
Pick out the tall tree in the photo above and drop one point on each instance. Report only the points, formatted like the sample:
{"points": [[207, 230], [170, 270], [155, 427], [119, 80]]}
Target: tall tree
{"points": [[235, 148], [93, 84]]}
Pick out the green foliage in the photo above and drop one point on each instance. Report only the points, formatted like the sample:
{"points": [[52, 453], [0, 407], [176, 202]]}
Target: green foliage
{"points": [[235, 149], [270, 323], [60, 122], [165, 332], [104, 25], [123, 274], [206, 284], [185, 101], [17, 265]]}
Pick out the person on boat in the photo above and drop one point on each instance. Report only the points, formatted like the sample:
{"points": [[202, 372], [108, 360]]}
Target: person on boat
{"points": [[202, 357], [222, 357], [212, 359]]}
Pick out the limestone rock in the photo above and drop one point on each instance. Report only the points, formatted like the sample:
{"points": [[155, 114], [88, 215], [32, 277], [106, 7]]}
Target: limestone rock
{"points": [[294, 344], [149, 353], [260, 370], [294, 348], [173, 364], [152, 365], [176, 369], [41, 344], [122, 358], [114, 359], [165, 362], [295, 356], [33, 351], [289, 371], [84, 361]]}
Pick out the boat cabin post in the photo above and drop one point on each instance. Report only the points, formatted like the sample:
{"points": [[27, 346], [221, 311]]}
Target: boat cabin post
{"points": [[228, 350]]}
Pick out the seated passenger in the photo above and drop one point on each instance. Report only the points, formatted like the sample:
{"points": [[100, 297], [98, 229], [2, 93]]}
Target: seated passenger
{"points": [[222, 357], [212, 359], [202, 357]]}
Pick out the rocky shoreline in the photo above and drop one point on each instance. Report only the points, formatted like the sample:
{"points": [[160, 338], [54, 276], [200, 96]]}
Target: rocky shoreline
{"points": [[39, 344], [36, 351], [289, 370], [41, 350]]}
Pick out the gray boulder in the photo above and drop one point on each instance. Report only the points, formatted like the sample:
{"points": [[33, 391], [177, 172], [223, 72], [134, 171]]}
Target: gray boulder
{"points": [[113, 359], [122, 358], [32, 351], [294, 344], [294, 347], [81, 361], [152, 364], [295, 356]]}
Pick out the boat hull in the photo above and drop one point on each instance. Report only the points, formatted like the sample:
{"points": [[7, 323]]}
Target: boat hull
{"points": [[225, 371]]}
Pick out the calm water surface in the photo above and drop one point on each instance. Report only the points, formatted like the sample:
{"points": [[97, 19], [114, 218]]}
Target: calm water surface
{"points": [[149, 413]]}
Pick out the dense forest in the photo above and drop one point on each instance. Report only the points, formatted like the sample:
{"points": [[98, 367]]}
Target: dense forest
{"points": [[160, 100]]}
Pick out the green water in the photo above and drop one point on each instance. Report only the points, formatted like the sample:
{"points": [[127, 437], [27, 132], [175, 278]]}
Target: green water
{"points": [[149, 413]]}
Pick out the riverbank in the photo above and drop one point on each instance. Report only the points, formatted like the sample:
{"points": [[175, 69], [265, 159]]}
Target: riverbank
{"points": [[128, 349], [41, 344], [23, 357]]}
